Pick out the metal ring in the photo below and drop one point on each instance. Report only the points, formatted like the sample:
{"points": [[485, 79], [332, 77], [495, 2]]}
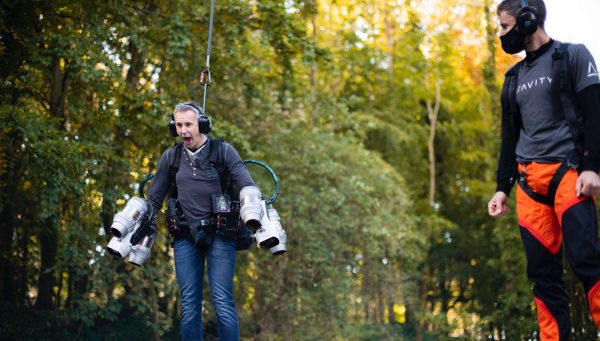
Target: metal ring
{"points": [[143, 184], [275, 180]]}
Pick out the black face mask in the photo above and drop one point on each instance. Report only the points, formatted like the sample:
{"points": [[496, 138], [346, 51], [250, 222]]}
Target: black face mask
{"points": [[513, 41]]}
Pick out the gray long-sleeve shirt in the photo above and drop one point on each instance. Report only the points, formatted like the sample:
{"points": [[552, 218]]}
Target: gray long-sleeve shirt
{"points": [[197, 180]]}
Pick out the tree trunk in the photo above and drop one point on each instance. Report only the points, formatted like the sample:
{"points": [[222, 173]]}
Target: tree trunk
{"points": [[391, 312], [58, 88], [380, 306], [412, 320], [61, 277], [153, 300], [313, 73], [391, 45], [7, 285], [77, 282], [70, 291], [432, 112], [9, 187], [7, 228], [489, 68], [23, 268], [49, 249], [49, 231]]}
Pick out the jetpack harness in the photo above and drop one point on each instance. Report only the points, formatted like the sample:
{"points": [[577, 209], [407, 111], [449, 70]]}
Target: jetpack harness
{"points": [[233, 214]]}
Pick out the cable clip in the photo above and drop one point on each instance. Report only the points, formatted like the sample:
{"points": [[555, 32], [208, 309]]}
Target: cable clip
{"points": [[523, 174], [205, 78]]}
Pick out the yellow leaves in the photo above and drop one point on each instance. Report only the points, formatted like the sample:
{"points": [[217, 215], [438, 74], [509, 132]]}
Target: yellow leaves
{"points": [[62, 64], [96, 198], [400, 313], [101, 67], [118, 291], [26, 185]]}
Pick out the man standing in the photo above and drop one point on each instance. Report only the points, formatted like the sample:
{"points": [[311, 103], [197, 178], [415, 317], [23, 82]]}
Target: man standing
{"points": [[196, 181], [551, 147]]}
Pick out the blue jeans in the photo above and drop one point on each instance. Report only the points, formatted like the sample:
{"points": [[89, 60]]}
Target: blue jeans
{"points": [[189, 268]]}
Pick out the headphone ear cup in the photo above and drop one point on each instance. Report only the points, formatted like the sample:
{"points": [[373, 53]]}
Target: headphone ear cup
{"points": [[527, 21], [172, 128], [204, 124]]}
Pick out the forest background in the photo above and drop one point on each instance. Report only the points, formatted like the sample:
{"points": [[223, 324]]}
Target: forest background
{"points": [[381, 119]]}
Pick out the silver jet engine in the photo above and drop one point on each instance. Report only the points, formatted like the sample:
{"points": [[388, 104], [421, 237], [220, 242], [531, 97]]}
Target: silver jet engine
{"points": [[133, 232], [269, 233]]}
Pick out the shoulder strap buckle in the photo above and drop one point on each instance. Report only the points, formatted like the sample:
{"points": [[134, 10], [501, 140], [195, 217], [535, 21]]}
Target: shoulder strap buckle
{"points": [[560, 51], [557, 54]]}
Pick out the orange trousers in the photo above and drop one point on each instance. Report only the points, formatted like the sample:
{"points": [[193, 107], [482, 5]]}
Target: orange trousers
{"points": [[569, 223]]}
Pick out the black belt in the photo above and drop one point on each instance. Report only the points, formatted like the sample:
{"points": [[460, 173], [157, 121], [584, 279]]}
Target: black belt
{"points": [[184, 227], [199, 223]]}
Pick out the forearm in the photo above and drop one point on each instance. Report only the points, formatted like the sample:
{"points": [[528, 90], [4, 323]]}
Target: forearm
{"points": [[589, 104], [507, 168], [160, 185], [507, 164], [156, 194]]}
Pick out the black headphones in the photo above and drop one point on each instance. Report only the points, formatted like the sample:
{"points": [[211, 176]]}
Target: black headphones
{"points": [[204, 123], [527, 21]]}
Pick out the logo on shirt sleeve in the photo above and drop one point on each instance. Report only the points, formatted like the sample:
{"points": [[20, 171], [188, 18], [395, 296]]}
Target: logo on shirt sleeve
{"points": [[592, 70]]}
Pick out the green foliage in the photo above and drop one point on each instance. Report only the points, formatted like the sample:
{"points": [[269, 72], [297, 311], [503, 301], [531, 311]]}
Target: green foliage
{"points": [[334, 219], [26, 324]]}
